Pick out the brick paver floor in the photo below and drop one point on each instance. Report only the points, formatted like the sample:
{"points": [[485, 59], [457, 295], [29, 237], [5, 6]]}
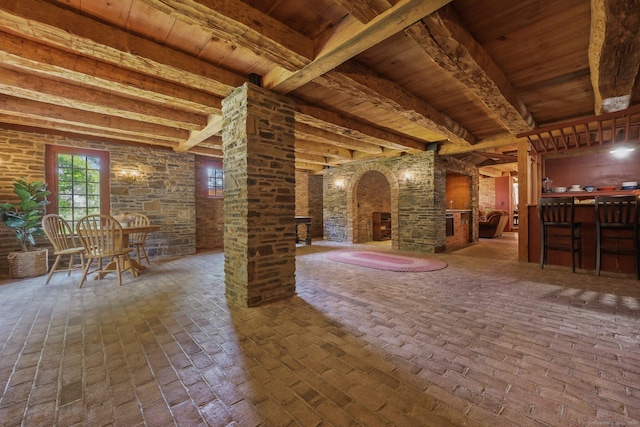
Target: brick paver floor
{"points": [[483, 342]]}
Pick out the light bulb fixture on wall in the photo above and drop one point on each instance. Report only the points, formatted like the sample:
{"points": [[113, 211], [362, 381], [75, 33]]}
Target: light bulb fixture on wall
{"points": [[339, 184], [129, 176], [408, 178]]}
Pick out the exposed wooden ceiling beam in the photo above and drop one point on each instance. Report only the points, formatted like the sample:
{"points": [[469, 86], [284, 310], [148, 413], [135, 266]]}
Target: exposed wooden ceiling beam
{"points": [[362, 83], [387, 152], [490, 171], [309, 166], [496, 141], [502, 158], [58, 114], [448, 43], [233, 22], [310, 146], [51, 62], [36, 88], [336, 123], [322, 135], [213, 127], [365, 10], [40, 20], [614, 53], [45, 126], [312, 158], [350, 38]]}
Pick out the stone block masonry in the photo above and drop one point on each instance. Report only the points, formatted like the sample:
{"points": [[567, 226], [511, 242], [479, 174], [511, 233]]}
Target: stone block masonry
{"points": [[417, 199], [259, 196], [164, 191]]}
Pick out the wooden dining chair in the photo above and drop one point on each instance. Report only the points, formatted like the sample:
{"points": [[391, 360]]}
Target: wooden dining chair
{"points": [[101, 237], [64, 243], [138, 240]]}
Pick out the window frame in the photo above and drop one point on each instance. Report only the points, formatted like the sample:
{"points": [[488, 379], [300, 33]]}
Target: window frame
{"points": [[51, 174], [217, 165]]}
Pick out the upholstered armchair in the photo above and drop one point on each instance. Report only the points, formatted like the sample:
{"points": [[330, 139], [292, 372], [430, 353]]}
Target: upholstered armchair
{"points": [[494, 224]]}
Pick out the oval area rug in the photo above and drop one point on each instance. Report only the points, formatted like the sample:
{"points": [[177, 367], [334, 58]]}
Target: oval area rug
{"points": [[386, 261]]}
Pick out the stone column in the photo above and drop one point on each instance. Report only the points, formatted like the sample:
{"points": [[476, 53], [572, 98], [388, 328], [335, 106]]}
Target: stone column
{"points": [[259, 196]]}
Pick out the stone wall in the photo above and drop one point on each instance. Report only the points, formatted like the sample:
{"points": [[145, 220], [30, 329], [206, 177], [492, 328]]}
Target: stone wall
{"points": [[487, 194], [209, 211], [309, 201], [163, 191], [302, 200], [315, 205], [417, 186], [259, 196]]}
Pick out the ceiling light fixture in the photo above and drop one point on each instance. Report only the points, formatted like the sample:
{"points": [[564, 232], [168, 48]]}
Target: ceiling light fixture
{"points": [[621, 152]]}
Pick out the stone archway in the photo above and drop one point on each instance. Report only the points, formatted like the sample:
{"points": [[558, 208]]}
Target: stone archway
{"points": [[359, 211]]}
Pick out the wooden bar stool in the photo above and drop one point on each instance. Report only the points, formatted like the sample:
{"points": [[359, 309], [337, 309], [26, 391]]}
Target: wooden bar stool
{"points": [[558, 229], [617, 228]]}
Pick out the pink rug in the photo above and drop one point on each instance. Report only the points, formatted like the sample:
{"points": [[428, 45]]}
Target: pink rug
{"points": [[386, 261]]}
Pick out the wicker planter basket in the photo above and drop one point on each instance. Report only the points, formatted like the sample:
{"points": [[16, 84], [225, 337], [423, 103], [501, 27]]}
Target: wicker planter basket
{"points": [[28, 264]]}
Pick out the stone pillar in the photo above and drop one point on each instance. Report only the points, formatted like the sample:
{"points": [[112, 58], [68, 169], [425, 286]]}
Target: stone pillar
{"points": [[259, 196]]}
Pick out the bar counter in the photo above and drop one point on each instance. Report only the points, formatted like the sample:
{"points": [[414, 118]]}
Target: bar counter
{"points": [[586, 214]]}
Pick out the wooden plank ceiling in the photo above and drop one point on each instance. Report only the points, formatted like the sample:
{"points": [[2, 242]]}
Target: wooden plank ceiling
{"points": [[369, 78]]}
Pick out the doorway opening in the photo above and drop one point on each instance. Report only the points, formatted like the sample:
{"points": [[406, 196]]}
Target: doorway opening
{"points": [[372, 208]]}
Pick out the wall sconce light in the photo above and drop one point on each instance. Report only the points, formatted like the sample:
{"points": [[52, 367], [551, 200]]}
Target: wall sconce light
{"points": [[129, 176], [339, 184], [408, 178]]}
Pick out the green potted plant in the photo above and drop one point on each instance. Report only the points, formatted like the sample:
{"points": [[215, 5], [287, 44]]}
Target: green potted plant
{"points": [[25, 218]]}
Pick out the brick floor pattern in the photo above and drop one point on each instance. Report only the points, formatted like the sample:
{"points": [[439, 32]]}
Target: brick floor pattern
{"points": [[483, 342]]}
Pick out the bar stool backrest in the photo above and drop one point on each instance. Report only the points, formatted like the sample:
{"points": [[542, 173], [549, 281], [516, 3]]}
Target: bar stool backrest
{"points": [[617, 211], [556, 210]]}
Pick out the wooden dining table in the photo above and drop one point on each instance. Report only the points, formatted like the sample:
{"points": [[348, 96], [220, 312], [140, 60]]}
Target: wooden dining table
{"points": [[136, 267]]}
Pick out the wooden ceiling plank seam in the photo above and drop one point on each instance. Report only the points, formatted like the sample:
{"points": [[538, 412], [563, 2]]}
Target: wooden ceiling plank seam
{"points": [[445, 39], [350, 38]]}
